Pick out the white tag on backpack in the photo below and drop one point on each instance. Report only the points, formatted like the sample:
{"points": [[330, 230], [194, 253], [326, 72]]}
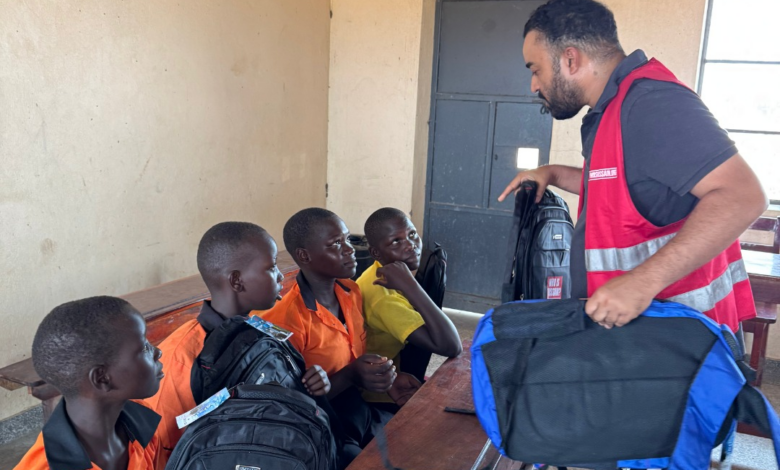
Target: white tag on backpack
{"points": [[211, 404], [270, 329]]}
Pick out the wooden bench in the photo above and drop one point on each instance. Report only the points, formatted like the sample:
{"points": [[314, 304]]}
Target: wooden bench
{"points": [[164, 307]]}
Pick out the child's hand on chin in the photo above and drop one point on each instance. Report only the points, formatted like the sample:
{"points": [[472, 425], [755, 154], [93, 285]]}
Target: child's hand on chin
{"points": [[396, 276]]}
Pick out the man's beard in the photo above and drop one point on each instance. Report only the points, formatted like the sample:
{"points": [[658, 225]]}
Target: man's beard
{"points": [[565, 99]]}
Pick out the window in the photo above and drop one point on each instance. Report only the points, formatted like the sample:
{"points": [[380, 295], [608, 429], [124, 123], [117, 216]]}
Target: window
{"points": [[740, 81]]}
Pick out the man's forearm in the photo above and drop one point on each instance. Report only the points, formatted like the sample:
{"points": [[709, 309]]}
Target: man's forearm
{"points": [[718, 219], [565, 177]]}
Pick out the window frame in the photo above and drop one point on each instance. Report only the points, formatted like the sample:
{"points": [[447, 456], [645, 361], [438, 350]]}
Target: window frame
{"points": [[703, 61]]}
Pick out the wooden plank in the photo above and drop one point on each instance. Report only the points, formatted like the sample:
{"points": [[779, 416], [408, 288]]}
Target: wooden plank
{"points": [[762, 265], [766, 313], [164, 307], [764, 224], [423, 436], [19, 375], [764, 273]]}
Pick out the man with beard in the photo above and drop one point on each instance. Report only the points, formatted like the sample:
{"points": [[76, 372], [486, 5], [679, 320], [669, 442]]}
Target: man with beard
{"points": [[664, 194]]}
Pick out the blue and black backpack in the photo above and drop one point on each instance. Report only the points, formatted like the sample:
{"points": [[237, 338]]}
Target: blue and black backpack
{"points": [[552, 386]]}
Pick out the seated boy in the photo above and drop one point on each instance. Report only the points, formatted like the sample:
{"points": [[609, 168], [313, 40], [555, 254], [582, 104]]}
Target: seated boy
{"points": [[396, 308], [237, 261], [324, 312], [95, 352]]}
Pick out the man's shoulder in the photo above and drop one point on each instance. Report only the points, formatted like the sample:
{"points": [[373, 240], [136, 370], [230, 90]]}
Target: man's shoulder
{"points": [[655, 94]]}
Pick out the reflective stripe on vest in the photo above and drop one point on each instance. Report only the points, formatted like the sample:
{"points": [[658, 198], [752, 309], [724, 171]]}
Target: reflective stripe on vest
{"points": [[705, 298], [623, 259], [626, 259]]}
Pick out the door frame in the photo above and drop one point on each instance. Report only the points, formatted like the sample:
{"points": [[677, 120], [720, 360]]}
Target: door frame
{"points": [[493, 100]]}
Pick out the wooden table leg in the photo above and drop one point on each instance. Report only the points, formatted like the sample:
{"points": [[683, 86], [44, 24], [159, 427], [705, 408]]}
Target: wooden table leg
{"points": [[758, 352]]}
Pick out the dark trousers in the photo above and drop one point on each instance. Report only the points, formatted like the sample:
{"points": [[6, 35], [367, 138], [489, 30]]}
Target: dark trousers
{"points": [[360, 421]]}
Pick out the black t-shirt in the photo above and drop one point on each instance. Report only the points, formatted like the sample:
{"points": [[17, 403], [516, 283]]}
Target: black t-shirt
{"points": [[670, 142]]}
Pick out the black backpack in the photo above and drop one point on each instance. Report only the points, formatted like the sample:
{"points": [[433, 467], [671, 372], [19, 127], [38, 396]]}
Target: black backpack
{"points": [[552, 386], [362, 256], [539, 245], [432, 277], [264, 427], [237, 353], [432, 273]]}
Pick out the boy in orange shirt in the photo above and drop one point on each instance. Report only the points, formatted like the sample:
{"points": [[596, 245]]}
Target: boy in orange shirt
{"points": [[95, 352], [324, 312], [237, 261]]}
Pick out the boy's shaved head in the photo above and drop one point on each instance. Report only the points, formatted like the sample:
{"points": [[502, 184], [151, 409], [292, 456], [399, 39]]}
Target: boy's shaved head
{"points": [[301, 226], [376, 223], [221, 247], [77, 336]]}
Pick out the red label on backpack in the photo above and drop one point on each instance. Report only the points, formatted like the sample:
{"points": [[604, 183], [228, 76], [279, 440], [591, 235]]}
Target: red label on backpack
{"points": [[554, 287]]}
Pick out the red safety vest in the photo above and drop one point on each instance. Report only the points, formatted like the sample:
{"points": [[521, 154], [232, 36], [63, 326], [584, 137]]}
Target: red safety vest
{"points": [[618, 238]]}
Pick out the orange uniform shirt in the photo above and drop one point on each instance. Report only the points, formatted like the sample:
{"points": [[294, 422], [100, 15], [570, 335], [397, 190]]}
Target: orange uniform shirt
{"points": [[58, 447], [179, 352], [317, 334]]}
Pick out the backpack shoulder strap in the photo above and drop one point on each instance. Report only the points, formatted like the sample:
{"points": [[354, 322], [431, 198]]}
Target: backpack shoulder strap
{"points": [[524, 203], [754, 409]]}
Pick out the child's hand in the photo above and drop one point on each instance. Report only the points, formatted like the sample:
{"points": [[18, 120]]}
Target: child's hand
{"points": [[374, 373], [395, 276], [403, 388], [316, 381]]}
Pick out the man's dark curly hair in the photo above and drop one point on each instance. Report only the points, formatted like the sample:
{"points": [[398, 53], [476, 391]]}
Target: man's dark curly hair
{"points": [[585, 24]]}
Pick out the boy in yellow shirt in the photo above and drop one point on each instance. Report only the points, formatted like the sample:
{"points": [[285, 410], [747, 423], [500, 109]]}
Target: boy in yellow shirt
{"points": [[396, 308]]}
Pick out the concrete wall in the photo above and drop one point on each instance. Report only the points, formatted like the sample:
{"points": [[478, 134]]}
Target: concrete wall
{"points": [[380, 76], [129, 128]]}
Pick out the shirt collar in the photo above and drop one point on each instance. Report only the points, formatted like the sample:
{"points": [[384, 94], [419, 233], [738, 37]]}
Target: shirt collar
{"points": [[209, 318], [626, 66], [62, 446], [308, 294]]}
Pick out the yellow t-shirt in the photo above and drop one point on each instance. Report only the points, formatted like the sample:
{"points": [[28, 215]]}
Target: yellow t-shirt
{"points": [[390, 318]]}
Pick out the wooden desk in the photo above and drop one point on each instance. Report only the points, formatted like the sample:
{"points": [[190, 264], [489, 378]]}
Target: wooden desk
{"points": [[164, 307], [764, 272], [422, 436]]}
